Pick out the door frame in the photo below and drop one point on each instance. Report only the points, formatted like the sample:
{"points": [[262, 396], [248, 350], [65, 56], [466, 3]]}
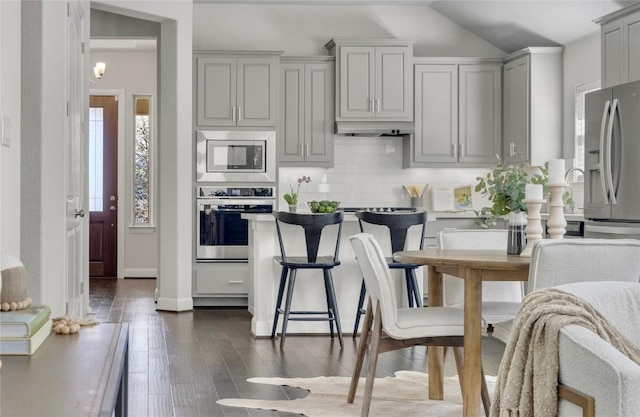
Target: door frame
{"points": [[122, 198]]}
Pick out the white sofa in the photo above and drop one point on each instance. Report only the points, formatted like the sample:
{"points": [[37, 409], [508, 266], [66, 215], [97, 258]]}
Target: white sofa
{"points": [[594, 367]]}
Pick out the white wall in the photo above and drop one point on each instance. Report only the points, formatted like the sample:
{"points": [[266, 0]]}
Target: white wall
{"points": [[135, 72], [10, 101], [305, 29], [581, 65], [368, 173]]}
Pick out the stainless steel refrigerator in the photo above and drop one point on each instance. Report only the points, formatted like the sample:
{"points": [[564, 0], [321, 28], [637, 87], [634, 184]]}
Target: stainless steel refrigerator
{"points": [[612, 162]]}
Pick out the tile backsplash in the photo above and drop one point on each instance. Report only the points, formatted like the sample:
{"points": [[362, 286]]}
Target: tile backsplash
{"points": [[368, 173]]}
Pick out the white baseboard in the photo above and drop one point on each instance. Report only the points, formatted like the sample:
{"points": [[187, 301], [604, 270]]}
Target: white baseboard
{"points": [[173, 304], [140, 272]]}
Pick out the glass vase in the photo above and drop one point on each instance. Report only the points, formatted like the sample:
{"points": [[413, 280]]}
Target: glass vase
{"points": [[517, 241]]}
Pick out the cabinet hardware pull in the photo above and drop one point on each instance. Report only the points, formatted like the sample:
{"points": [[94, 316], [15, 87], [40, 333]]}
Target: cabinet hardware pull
{"points": [[378, 102], [239, 113], [306, 147], [301, 149], [512, 149], [236, 282], [461, 151], [454, 147], [372, 105], [233, 113]]}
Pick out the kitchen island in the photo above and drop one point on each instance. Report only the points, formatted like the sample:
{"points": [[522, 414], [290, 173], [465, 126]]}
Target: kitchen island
{"points": [[264, 273]]}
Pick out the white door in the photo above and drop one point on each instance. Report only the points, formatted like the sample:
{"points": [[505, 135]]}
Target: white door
{"points": [[74, 160]]}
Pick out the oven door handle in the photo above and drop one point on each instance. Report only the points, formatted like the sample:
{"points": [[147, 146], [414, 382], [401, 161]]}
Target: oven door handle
{"points": [[234, 202]]}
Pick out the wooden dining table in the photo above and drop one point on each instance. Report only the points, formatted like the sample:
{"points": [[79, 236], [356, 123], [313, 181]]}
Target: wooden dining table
{"points": [[474, 266]]}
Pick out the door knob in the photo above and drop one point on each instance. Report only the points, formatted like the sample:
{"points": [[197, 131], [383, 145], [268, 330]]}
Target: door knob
{"points": [[79, 213], [113, 198], [112, 208]]}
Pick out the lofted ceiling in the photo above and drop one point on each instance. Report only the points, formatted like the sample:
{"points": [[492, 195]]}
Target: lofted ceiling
{"points": [[507, 24], [515, 24]]}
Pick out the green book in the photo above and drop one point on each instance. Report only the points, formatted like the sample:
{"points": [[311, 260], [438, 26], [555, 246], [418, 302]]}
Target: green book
{"points": [[23, 323], [26, 345]]}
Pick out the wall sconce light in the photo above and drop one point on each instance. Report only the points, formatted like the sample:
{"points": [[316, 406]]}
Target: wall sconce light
{"points": [[98, 71]]}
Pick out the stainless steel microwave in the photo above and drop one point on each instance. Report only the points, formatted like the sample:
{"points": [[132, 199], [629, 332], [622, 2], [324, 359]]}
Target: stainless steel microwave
{"points": [[236, 156]]}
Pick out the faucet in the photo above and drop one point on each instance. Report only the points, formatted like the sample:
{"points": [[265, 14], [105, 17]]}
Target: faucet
{"points": [[570, 170], [572, 206]]}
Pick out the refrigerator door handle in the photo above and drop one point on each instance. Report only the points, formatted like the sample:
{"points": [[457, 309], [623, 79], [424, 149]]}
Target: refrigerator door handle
{"points": [[618, 230], [603, 128], [609, 145]]}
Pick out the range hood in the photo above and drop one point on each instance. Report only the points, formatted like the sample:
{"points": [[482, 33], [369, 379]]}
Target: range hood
{"points": [[373, 128]]}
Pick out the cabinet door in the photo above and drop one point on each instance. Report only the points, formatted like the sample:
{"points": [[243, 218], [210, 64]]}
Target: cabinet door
{"points": [[480, 127], [611, 39], [291, 129], [216, 91], [357, 86], [394, 93], [516, 110], [318, 112], [631, 70], [256, 89], [436, 113]]}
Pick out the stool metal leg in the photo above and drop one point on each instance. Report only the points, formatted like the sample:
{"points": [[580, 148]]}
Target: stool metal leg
{"points": [[276, 314], [360, 311], [407, 276], [416, 288], [329, 302], [287, 306], [334, 302]]}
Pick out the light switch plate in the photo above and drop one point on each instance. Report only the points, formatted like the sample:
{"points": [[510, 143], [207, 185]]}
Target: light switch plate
{"points": [[6, 130]]}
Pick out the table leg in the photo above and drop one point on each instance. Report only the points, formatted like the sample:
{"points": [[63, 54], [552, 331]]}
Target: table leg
{"points": [[435, 354], [472, 343]]}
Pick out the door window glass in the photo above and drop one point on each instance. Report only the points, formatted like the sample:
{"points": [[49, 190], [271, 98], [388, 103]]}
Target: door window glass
{"points": [[96, 147], [142, 161]]}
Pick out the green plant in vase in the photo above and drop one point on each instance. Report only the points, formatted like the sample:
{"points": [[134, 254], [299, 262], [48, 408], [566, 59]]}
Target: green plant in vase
{"points": [[505, 187], [292, 198]]}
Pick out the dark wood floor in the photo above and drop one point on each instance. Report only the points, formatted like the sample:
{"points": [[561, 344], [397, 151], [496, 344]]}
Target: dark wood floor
{"points": [[181, 363]]}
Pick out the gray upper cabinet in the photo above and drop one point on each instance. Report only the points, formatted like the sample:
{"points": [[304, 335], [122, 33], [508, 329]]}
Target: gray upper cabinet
{"points": [[305, 136], [457, 113], [373, 79], [620, 43], [236, 90], [532, 105]]}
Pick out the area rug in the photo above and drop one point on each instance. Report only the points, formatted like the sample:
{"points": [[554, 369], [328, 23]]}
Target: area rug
{"points": [[404, 395]]}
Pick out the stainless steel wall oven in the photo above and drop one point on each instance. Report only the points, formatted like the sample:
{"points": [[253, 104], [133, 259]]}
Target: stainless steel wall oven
{"points": [[222, 235]]}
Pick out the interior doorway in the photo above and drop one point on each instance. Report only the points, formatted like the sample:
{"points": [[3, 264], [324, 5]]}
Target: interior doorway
{"points": [[103, 186]]}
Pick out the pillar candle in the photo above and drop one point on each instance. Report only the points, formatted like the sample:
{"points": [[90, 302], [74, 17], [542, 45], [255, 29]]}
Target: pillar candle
{"points": [[533, 191], [556, 171]]}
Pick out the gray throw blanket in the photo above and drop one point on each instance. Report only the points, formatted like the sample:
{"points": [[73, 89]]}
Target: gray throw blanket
{"points": [[528, 377]]}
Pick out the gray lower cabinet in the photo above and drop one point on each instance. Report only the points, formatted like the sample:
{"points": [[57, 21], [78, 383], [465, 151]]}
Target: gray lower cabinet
{"points": [[236, 90], [305, 127], [457, 114]]}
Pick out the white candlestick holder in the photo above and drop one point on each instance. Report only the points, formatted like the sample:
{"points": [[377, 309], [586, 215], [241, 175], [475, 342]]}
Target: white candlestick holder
{"points": [[534, 229], [556, 224]]}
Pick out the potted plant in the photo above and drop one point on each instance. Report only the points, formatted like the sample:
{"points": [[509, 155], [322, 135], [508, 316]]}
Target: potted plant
{"points": [[292, 198], [505, 187]]}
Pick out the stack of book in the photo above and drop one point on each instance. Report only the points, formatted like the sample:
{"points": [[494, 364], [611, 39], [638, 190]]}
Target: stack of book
{"points": [[23, 331]]}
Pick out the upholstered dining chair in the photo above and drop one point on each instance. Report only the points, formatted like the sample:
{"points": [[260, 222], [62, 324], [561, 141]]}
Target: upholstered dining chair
{"points": [[388, 327], [313, 226], [398, 224], [500, 300], [564, 261]]}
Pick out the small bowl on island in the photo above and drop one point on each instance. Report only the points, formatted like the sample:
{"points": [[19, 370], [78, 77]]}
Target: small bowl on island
{"points": [[323, 206]]}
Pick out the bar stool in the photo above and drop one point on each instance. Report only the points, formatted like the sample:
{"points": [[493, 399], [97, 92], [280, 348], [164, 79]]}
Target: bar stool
{"points": [[313, 225], [398, 224]]}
